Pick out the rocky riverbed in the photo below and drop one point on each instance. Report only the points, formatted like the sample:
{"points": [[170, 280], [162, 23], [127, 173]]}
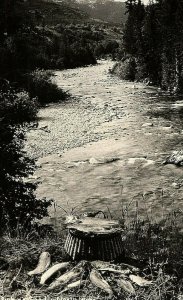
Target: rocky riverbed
{"points": [[103, 148]]}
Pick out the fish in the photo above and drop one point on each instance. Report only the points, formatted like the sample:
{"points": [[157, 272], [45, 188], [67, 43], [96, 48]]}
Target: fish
{"points": [[73, 285], [51, 271], [67, 277], [132, 268], [140, 281], [107, 266], [43, 264], [100, 282], [112, 270], [100, 264], [126, 286]]}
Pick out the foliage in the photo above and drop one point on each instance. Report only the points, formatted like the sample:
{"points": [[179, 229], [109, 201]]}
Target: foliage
{"points": [[45, 48], [16, 106], [47, 35], [19, 205], [153, 36], [52, 13], [13, 16], [31, 44], [126, 69], [109, 47], [39, 83]]}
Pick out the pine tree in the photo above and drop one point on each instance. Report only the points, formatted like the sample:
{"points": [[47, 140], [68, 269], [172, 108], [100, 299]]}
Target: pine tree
{"points": [[130, 4], [153, 36], [129, 37], [18, 203]]}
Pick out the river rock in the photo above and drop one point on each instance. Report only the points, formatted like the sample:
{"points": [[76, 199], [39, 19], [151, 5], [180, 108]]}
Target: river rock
{"points": [[178, 104], [147, 125], [176, 185], [103, 160], [175, 158], [167, 128]]}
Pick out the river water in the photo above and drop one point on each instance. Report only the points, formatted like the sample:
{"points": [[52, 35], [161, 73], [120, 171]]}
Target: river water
{"points": [[103, 148]]}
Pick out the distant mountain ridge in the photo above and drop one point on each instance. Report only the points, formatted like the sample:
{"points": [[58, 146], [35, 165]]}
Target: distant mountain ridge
{"points": [[56, 11], [106, 10], [110, 11]]}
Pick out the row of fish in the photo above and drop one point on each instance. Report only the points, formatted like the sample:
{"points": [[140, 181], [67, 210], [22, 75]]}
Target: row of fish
{"points": [[74, 277]]}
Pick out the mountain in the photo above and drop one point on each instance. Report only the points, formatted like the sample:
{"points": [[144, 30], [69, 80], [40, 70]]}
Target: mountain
{"points": [[106, 10], [110, 11], [65, 36], [56, 12]]}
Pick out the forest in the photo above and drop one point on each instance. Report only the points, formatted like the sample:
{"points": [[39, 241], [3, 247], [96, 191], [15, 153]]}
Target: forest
{"points": [[152, 44]]}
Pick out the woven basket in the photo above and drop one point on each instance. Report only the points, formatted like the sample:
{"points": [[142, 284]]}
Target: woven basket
{"points": [[90, 242]]}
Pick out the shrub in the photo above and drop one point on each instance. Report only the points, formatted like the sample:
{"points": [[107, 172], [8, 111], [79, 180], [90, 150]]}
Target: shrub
{"points": [[141, 71], [126, 69], [18, 203], [99, 50], [39, 84], [16, 106]]}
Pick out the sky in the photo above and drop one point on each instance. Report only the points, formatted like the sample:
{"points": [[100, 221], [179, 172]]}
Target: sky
{"points": [[145, 1]]}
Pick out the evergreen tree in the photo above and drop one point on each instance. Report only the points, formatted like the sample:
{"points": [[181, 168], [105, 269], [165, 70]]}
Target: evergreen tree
{"points": [[133, 38], [153, 36], [129, 37], [18, 203], [130, 4]]}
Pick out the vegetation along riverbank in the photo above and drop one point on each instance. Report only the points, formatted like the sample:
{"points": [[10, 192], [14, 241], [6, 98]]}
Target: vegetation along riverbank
{"points": [[146, 52]]}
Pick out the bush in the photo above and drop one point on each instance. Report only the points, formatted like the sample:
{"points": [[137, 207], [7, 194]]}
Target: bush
{"points": [[141, 71], [16, 106], [18, 203], [39, 84], [126, 69]]}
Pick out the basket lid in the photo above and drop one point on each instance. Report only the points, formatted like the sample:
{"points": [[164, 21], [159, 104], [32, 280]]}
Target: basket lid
{"points": [[96, 226]]}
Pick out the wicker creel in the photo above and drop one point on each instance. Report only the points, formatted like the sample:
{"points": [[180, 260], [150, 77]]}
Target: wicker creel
{"points": [[94, 239]]}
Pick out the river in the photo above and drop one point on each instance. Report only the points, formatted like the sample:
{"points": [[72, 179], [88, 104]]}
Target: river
{"points": [[103, 148]]}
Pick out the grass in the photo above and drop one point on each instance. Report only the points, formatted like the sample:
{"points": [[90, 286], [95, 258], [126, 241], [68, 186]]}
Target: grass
{"points": [[20, 255], [155, 247]]}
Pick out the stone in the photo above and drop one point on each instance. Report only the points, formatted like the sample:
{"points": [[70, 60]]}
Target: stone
{"points": [[103, 160], [175, 158], [166, 128], [147, 125], [176, 185]]}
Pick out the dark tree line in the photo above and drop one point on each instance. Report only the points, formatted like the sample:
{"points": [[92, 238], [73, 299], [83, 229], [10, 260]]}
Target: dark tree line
{"points": [[153, 42], [29, 41], [19, 207]]}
